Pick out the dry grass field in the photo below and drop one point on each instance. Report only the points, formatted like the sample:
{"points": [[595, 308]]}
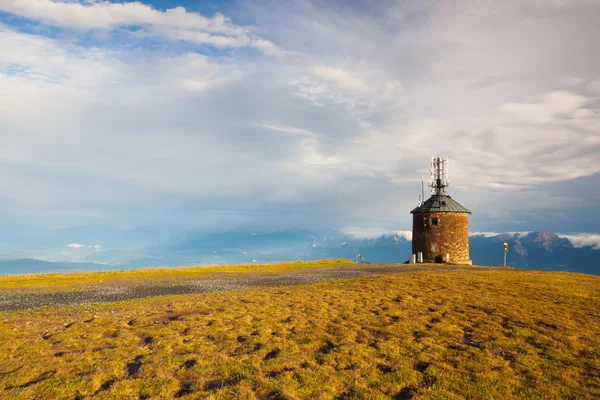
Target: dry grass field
{"points": [[452, 334], [75, 281]]}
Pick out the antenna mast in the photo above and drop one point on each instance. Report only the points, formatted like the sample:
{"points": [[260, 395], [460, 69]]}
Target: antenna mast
{"points": [[439, 175]]}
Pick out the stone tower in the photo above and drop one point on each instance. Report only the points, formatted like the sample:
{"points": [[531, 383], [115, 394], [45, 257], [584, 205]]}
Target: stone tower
{"points": [[441, 224]]}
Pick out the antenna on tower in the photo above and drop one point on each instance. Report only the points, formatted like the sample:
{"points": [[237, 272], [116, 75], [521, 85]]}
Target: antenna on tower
{"points": [[439, 175]]}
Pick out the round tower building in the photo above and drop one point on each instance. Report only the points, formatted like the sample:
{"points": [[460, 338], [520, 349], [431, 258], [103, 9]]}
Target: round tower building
{"points": [[440, 224]]}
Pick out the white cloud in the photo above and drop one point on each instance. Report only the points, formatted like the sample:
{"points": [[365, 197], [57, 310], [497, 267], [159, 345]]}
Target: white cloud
{"points": [[309, 154], [192, 72], [308, 147], [176, 23], [43, 258], [364, 92], [340, 77], [484, 234], [106, 15], [75, 245], [289, 129], [48, 63], [319, 92], [494, 234], [594, 86], [98, 247], [374, 233], [523, 233], [552, 106], [564, 3], [404, 234], [199, 37], [571, 80], [392, 89], [271, 49], [579, 240]]}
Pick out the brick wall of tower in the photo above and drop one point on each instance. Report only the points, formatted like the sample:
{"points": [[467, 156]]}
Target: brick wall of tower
{"points": [[451, 236]]}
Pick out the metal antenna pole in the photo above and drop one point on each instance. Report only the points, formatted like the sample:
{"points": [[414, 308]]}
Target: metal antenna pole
{"points": [[439, 175]]}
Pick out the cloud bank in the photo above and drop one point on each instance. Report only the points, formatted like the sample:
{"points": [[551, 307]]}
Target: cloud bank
{"points": [[375, 233], [583, 240], [492, 234], [298, 113]]}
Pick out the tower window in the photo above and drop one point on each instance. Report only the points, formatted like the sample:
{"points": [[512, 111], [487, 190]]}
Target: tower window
{"points": [[434, 222], [443, 203]]}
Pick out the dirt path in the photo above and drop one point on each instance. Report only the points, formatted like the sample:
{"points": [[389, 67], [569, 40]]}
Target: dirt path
{"points": [[11, 300]]}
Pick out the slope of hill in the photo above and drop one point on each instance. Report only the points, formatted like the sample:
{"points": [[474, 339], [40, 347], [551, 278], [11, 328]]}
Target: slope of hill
{"points": [[451, 333]]}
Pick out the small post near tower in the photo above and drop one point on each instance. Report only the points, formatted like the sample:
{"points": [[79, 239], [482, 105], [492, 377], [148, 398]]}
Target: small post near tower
{"points": [[440, 223]]}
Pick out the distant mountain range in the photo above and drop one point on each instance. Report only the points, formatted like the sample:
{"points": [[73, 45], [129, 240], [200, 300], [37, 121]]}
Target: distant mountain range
{"points": [[534, 250], [29, 265]]}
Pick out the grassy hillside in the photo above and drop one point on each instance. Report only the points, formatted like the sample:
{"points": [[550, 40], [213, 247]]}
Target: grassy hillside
{"points": [[57, 282], [497, 334]]}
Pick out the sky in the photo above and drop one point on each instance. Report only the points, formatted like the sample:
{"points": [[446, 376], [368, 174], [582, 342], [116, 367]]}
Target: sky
{"points": [[270, 114]]}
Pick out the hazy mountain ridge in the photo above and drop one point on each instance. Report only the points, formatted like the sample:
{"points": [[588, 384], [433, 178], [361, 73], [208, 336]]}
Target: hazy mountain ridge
{"points": [[534, 250], [29, 265]]}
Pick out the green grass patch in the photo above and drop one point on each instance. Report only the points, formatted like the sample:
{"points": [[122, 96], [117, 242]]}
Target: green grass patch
{"points": [[497, 334]]}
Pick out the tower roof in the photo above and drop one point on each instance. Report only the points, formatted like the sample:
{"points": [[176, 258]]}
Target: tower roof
{"points": [[440, 203]]}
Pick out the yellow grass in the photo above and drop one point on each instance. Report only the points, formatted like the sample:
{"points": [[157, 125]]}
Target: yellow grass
{"points": [[35, 281], [477, 334]]}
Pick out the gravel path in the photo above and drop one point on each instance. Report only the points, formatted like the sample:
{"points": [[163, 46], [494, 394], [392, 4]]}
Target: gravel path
{"points": [[11, 300]]}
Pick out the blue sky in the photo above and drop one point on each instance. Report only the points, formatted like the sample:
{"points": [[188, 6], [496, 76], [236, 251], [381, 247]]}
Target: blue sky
{"points": [[216, 115]]}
